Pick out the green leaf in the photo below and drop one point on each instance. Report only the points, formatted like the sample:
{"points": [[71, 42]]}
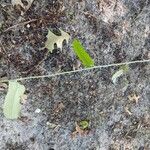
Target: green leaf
{"points": [[84, 124], [116, 75], [54, 39], [12, 104], [82, 54], [123, 69]]}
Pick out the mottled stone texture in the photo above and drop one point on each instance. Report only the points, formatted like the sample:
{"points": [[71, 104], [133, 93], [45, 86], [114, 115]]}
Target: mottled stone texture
{"points": [[112, 31]]}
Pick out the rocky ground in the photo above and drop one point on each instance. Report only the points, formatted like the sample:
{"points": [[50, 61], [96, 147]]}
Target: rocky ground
{"points": [[112, 31]]}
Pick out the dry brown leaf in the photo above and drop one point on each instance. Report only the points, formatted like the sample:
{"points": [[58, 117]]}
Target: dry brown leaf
{"points": [[24, 119], [134, 98], [79, 131], [24, 99], [59, 107], [19, 2], [127, 111], [77, 65], [3, 86], [51, 125]]}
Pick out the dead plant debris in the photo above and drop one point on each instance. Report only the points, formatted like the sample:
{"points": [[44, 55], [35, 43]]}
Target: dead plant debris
{"points": [[59, 107], [127, 111], [25, 5], [134, 98], [80, 131]]}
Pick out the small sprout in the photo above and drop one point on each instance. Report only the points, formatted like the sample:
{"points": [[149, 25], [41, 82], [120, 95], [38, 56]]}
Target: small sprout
{"points": [[84, 124], [81, 128], [125, 68]]}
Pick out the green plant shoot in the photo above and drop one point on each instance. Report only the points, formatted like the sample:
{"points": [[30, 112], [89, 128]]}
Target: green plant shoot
{"points": [[84, 57]]}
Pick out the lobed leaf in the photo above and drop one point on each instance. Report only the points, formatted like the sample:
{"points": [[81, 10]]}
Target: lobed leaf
{"points": [[54, 39]]}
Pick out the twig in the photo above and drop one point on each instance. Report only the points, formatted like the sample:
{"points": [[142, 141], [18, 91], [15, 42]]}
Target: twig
{"points": [[79, 70], [20, 24]]}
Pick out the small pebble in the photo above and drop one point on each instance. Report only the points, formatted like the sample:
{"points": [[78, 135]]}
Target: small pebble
{"points": [[51, 125], [37, 111], [28, 26]]}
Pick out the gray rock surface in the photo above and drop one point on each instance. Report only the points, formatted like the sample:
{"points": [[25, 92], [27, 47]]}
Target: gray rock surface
{"points": [[112, 31]]}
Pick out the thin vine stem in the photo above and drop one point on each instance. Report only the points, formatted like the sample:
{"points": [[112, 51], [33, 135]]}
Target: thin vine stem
{"points": [[75, 71]]}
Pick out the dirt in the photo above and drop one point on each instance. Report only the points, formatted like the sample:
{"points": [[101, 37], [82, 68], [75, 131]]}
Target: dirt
{"points": [[112, 31]]}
